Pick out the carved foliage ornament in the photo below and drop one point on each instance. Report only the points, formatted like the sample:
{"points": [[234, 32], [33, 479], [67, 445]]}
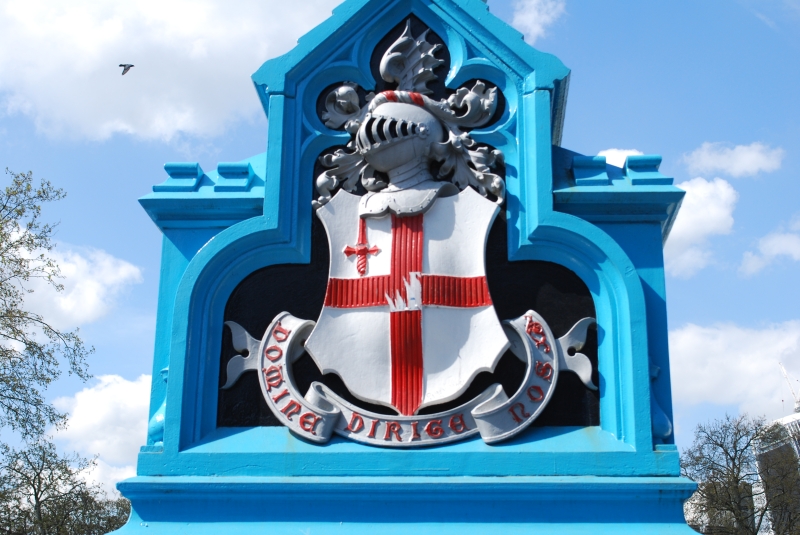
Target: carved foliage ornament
{"points": [[386, 119]]}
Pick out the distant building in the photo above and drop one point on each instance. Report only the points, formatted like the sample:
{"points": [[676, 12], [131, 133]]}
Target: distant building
{"points": [[779, 467], [791, 430], [778, 490]]}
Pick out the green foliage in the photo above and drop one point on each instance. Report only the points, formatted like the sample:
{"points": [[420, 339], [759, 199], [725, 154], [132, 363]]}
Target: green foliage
{"points": [[41, 492], [31, 350], [44, 493]]}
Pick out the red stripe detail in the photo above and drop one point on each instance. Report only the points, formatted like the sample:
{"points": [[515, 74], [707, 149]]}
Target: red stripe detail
{"points": [[406, 252], [406, 337], [357, 293], [406, 327], [417, 98], [391, 96], [437, 290], [459, 292]]}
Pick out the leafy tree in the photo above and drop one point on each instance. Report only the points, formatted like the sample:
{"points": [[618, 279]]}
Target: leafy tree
{"points": [[43, 493], [745, 485], [31, 349]]}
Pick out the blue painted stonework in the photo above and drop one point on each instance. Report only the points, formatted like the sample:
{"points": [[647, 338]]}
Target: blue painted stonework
{"points": [[606, 224]]}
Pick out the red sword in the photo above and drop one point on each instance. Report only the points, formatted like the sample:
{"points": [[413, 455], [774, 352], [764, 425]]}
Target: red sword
{"points": [[362, 248]]}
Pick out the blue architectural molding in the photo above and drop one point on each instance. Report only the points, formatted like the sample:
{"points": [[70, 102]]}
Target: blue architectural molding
{"points": [[369, 505], [219, 199], [590, 171], [604, 223], [639, 217], [643, 169], [182, 177], [234, 176]]}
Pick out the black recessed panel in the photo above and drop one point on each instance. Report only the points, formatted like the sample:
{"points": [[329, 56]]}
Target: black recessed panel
{"points": [[295, 288], [552, 290], [562, 299]]}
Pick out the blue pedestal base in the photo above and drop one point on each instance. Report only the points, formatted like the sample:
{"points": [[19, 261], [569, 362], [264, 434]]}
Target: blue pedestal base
{"points": [[441, 505]]}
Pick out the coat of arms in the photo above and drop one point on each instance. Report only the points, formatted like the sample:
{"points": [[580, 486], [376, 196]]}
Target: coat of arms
{"points": [[408, 320]]}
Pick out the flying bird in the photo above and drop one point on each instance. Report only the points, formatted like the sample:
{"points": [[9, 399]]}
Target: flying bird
{"points": [[125, 67]]}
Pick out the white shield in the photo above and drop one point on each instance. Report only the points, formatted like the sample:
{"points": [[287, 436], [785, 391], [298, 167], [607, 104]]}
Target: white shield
{"points": [[408, 320]]}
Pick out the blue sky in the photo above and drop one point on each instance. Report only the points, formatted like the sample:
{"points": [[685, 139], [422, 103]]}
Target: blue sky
{"points": [[711, 86]]}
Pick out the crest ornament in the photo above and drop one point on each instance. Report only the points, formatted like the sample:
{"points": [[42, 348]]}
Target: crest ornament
{"points": [[387, 119], [408, 320]]}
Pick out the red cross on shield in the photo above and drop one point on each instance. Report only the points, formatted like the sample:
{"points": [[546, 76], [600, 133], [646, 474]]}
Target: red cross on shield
{"points": [[411, 323]]}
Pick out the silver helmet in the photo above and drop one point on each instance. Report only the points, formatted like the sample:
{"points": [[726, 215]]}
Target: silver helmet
{"points": [[395, 133]]}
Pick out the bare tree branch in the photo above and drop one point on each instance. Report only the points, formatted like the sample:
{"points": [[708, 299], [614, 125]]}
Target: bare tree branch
{"points": [[742, 491], [45, 493]]}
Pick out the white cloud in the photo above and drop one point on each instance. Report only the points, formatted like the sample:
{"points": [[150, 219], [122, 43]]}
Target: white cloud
{"points": [[727, 364], [107, 476], [616, 157], [93, 279], [707, 211], [193, 59], [766, 20], [108, 419], [770, 248], [534, 17], [738, 161]]}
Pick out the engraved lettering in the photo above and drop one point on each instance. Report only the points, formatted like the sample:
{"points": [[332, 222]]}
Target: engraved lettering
{"points": [[274, 376], [356, 423], [414, 431], [535, 328], [521, 417], [544, 370], [280, 334], [536, 393], [280, 396], [373, 428], [434, 429], [457, 423], [291, 408], [393, 428], [308, 422], [273, 353]]}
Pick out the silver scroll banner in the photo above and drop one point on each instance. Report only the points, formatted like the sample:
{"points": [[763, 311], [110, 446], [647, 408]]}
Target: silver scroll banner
{"points": [[320, 413]]}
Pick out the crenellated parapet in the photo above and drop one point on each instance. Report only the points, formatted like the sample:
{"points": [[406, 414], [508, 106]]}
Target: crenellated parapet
{"points": [[192, 198]]}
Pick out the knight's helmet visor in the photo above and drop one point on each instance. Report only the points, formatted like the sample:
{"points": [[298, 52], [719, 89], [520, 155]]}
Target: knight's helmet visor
{"points": [[393, 122]]}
